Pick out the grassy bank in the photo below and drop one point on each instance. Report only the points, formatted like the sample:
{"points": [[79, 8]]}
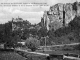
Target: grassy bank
{"points": [[4, 55]]}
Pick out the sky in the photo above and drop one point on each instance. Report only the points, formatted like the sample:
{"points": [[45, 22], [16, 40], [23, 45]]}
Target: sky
{"points": [[12, 9]]}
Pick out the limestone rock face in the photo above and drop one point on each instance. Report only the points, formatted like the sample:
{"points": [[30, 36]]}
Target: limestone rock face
{"points": [[55, 13]]}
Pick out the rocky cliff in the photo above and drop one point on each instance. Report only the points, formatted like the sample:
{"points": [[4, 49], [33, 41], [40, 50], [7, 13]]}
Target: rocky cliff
{"points": [[56, 12]]}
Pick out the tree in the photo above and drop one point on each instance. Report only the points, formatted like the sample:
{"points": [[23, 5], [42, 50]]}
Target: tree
{"points": [[74, 6], [32, 43], [42, 32], [75, 26], [5, 34]]}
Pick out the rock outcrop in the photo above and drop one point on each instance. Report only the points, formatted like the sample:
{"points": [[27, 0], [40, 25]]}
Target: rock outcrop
{"points": [[61, 13]]}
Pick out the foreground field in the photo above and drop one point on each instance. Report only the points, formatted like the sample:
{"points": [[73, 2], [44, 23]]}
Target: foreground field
{"points": [[10, 56], [43, 55], [22, 54]]}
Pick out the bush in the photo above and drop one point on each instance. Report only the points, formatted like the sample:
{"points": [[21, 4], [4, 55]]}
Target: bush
{"points": [[77, 47], [32, 43]]}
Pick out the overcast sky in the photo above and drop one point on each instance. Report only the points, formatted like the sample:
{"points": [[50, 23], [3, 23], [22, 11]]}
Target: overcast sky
{"points": [[30, 13]]}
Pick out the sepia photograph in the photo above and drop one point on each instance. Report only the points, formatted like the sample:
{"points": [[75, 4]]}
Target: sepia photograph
{"points": [[39, 30]]}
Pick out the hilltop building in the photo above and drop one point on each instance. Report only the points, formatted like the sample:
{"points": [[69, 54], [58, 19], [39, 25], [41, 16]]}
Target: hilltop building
{"points": [[14, 25]]}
